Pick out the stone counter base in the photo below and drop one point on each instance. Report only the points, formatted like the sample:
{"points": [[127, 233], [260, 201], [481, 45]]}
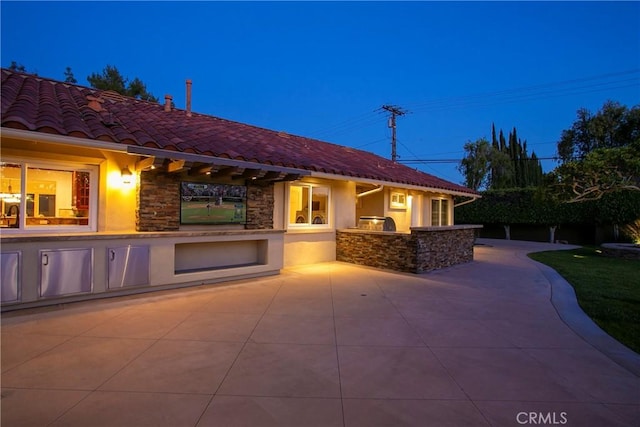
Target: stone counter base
{"points": [[422, 250]]}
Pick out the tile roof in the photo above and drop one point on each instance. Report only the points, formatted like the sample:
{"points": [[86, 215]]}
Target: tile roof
{"points": [[43, 105]]}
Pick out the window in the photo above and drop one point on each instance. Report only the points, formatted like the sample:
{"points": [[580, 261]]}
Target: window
{"points": [[439, 212], [398, 200], [55, 196], [308, 205]]}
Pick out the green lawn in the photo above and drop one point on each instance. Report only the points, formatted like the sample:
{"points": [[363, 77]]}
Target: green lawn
{"points": [[608, 289]]}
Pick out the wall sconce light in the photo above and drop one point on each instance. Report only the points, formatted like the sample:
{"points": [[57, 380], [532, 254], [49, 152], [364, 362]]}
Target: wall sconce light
{"points": [[126, 175]]}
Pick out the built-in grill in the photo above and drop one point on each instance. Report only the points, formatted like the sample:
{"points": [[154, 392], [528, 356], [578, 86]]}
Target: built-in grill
{"points": [[376, 223]]}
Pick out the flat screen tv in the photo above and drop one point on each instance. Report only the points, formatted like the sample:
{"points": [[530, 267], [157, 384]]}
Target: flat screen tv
{"points": [[207, 203]]}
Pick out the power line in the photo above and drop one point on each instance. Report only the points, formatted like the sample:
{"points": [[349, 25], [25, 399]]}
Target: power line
{"points": [[439, 173], [548, 90], [348, 125], [412, 161], [461, 152], [599, 83], [370, 143]]}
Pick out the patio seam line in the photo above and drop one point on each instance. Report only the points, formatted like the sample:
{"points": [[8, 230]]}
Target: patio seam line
{"points": [[215, 393], [155, 341], [426, 345], [335, 341], [565, 303], [91, 392], [69, 338]]}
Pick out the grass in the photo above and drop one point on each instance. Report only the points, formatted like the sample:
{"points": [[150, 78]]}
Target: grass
{"points": [[608, 289]]}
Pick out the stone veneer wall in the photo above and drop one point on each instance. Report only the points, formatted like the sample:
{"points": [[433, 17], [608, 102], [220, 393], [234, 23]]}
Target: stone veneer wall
{"points": [[260, 204], [421, 251], [158, 203], [392, 251], [439, 249]]}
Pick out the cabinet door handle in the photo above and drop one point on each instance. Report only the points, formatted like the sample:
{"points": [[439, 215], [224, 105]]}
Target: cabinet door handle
{"points": [[46, 259], [113, 255]]}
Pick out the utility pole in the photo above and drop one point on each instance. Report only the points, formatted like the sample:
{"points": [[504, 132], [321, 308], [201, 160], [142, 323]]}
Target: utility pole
{"points": [[395, 111]]}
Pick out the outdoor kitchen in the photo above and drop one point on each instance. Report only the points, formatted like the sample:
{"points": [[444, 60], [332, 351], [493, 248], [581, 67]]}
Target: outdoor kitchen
{"points": [[418, 251]]}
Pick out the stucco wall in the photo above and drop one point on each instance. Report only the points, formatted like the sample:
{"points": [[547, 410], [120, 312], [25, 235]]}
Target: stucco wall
{"points": [[309, 248], [317, 244], [117, 201], [371, 205]]}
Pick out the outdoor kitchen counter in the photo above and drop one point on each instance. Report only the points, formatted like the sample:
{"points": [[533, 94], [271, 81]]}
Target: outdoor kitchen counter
{"points": [[448, 227], [44, 269], [44, 237], [417, 229], [420, 250]]}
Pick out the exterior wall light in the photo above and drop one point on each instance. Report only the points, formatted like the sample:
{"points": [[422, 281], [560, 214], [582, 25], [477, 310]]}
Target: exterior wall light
{"points": [[126, 175]]}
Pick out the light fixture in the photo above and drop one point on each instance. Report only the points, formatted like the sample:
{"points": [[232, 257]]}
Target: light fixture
{"points": [[10, 197], [126, 175]]}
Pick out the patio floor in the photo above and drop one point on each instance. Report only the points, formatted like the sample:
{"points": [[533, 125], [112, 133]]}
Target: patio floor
{"points": [[325, 345]]}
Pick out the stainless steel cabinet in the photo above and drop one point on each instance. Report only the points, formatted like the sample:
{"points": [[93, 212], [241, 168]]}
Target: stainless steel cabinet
{"points": [[128, 266], [10, 275], [66, 272]]}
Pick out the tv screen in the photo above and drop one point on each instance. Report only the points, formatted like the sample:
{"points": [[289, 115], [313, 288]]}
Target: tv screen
{"points": [[204, 203]]}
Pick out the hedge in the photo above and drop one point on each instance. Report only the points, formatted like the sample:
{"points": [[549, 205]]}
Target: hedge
{"points": [[533, 206]]}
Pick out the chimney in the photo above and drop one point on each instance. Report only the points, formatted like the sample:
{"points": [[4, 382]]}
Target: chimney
{"points": [[189, 98], [167, 102]]}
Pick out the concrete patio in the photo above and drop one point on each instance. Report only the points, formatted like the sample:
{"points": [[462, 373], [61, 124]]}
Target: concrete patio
{"points": [[499, 342]]}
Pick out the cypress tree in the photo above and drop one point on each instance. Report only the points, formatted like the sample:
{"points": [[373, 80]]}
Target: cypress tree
{"points": [[521, 170], [495, 148]]}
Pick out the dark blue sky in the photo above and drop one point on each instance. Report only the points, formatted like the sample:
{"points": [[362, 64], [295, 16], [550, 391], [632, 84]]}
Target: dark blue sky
{"points": [[323, 69]]}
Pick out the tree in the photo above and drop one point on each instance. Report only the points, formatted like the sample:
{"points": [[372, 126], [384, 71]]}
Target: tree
{"points": [[600, 154], [601, 171], [614, 125], [17, 67], [502, 170], [111, 79], [476, 164], [69, 77], [137, 89], [508, 165]]}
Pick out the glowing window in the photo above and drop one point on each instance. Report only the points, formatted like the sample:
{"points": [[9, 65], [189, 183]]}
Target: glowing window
{"points": [[47, 196], [308, 205]]}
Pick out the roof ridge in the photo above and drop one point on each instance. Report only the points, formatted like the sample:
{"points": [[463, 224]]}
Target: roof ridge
{"points": [[49, 79], [139, 122], [79, 86]]}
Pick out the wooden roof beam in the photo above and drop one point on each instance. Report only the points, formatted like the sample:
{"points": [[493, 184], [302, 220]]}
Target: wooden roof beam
{"points": [[201, 170], [224, 172], [146, 163], [251, 173], [175, 166]]}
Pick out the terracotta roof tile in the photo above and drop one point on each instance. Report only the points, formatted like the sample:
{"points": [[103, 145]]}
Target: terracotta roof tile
{"points": [[44, 105]]}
